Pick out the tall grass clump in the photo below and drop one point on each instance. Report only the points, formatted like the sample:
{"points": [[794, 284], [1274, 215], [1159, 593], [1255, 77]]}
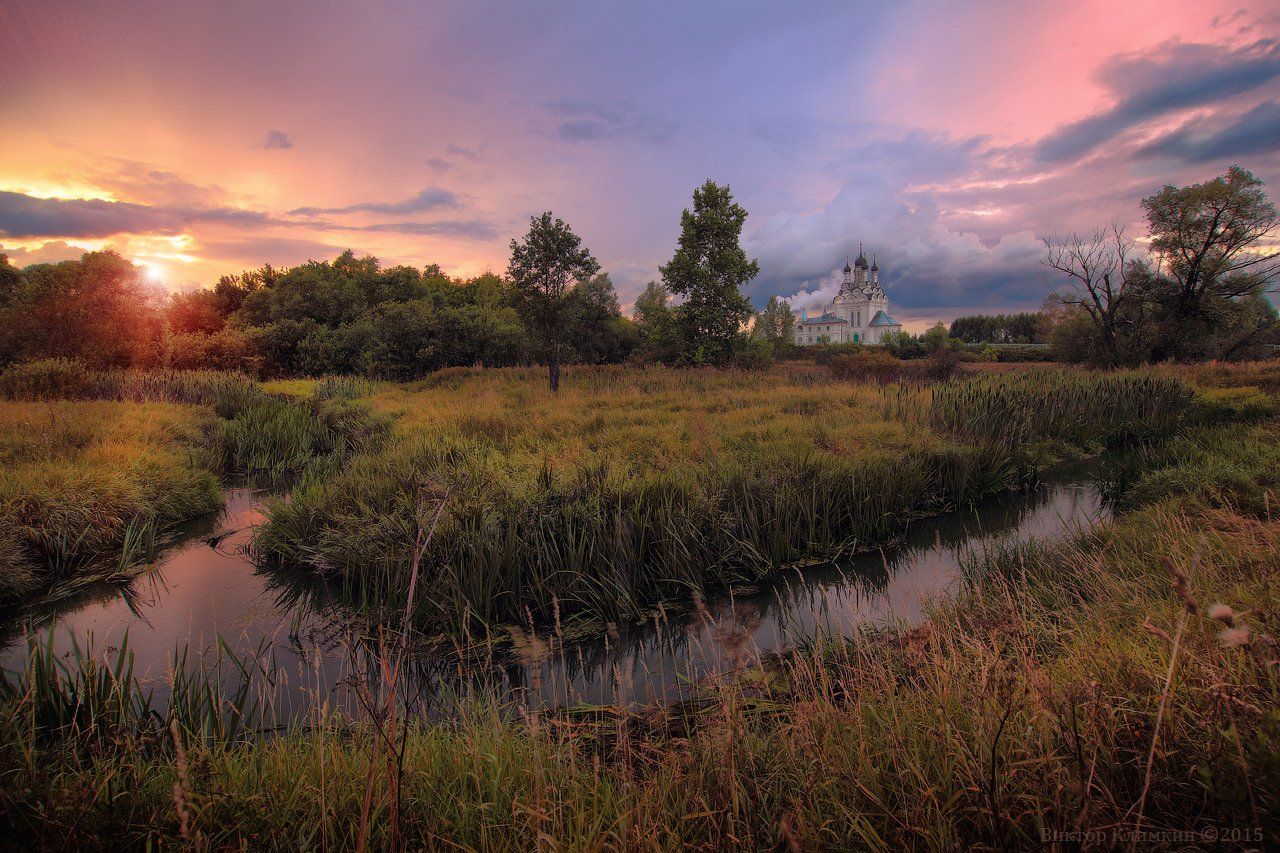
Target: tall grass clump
{"points": [[634, 486], [82, 480], [1081, 408], [91, 699], [276, 440], [95, 459], [67, 379]]}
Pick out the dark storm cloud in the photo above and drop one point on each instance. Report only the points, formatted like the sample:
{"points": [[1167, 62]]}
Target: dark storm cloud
{"points": [[1255, 132], [277, 140], [24, 216], [432, 198], [1172, 77]]}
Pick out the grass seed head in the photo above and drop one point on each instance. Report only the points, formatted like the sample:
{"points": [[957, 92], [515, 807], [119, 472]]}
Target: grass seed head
{"points": [[1224, 614], [1235, 638]]}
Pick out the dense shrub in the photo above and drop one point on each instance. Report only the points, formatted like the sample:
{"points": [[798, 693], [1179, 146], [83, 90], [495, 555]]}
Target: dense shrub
{"points": [[47, 379], [225, 349], [879, 366]]}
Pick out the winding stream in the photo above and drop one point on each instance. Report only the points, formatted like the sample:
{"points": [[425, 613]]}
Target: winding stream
{"points": [[205, 591]]}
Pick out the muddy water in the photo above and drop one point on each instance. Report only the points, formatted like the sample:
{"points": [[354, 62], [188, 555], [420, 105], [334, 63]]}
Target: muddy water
{"points": [[205, 595]]}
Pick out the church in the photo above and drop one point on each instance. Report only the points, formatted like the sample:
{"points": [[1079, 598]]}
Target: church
{"points": [[858, 314]]}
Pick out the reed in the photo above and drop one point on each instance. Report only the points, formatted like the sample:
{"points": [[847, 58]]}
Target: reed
{"points": [[98, 463], [92, 700], [89, 484], [1021, 713], [637, 485]]}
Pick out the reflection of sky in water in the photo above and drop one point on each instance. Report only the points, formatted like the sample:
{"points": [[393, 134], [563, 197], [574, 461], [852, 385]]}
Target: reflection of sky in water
{"points": [[198, 594]]}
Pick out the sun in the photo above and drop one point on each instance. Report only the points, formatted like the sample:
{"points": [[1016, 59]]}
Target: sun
{"points": [[153, 271]]}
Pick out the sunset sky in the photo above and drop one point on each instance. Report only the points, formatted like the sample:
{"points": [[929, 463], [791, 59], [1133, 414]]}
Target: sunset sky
{"points": [[202, 137]]}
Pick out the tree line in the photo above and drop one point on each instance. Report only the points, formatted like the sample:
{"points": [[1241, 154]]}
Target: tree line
{"points": [[348, 315], [1030, 327], [353, 315], [1200, 293]]}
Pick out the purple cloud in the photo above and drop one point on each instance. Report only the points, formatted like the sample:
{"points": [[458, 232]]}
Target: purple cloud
{"points": [[277, 140]]}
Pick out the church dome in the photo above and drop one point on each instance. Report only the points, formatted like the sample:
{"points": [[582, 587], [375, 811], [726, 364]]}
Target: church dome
{"points": [[847, 268], [874, 266]]}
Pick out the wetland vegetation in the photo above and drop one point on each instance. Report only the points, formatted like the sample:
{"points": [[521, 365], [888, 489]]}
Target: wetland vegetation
{"points": [[1124, 677], [1038, 698]]}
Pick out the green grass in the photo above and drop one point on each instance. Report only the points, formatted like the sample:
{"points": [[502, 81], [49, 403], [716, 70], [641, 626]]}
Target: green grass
{"points": [[1047, 696], [96, 464], [632, 486], [78, 479]]}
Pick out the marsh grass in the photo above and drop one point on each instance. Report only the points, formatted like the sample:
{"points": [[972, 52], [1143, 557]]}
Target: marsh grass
{"points": [[1046, 697], [82, 480], [634, 486], [98, 464]]}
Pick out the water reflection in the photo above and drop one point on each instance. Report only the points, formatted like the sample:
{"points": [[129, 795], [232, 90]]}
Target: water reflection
{"points": [[205, 591]]}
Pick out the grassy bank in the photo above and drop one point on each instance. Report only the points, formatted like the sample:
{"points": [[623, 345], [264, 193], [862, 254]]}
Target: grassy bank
{"points": [[80, 479], [1125, 681], [632, 486], [96, 464]]}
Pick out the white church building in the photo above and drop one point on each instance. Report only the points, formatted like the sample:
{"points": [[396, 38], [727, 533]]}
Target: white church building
{"points": [[858, 314]]}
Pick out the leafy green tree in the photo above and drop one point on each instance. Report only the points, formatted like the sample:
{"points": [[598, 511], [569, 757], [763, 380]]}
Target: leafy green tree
{"points": [[775, 323], [1213, 241], [10, 280], [196, 311], [232, 290], [937, 338], [98, 309], [226, 349], [708, 268], [544, 266], [282, 347], [328, 294], [655, 321], [594, 327]]}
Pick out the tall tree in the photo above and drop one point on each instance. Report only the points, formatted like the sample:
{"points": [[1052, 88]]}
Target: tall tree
{"points": [[776, 323], [98, 309], [708, 268], [656, 322], [1097, 270], [544, 266], [1214, 242]]}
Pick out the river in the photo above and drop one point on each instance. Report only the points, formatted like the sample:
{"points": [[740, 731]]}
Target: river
{"points": [[204, 595]]}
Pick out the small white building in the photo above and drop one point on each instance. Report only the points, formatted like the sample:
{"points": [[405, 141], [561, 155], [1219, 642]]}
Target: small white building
{"points": [[858, 314]]}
